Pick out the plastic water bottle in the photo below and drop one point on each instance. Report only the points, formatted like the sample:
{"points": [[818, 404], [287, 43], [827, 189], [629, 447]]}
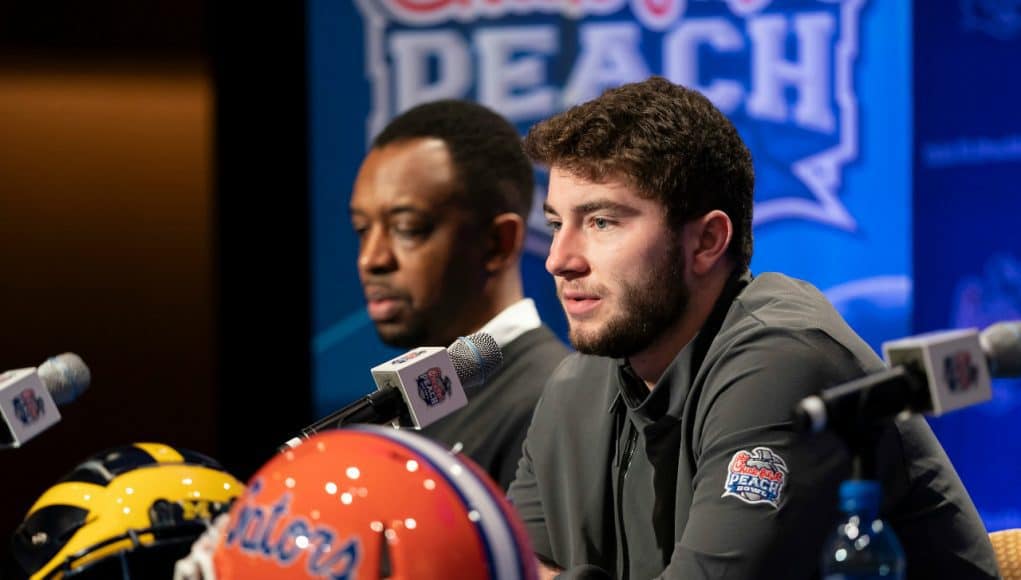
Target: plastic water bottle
{"points": [[862, 546]]}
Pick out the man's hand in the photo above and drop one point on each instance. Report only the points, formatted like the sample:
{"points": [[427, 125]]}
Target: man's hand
{"points": [[547, 572]]}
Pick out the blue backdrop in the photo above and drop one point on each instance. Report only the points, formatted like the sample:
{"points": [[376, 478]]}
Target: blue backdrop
{"points": [[821, 90], [967, 165]]}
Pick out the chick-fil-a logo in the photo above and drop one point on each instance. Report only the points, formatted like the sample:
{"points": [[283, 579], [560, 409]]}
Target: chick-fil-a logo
{"points": [[656, 14]]}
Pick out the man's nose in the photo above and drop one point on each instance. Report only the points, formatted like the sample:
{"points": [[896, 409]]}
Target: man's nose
{"points": [[376, 256], [566, 257]]}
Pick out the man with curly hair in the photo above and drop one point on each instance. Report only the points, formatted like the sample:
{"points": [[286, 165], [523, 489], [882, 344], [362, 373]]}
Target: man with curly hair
{"points": [[665, 448]]}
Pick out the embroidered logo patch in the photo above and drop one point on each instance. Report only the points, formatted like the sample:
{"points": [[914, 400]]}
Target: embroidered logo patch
{"points": [[756, 477]]}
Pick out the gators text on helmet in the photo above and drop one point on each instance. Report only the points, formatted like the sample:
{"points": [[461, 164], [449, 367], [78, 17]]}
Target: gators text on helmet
{"points": [[369, 502]]}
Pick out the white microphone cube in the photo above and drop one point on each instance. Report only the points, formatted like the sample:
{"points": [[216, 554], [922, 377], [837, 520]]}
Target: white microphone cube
{"points": [[427, 381], [26, 405], [954, 363]]}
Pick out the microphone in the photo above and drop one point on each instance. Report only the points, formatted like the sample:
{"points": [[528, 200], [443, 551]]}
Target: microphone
{"points": [[29, 397], [1002, 344], [419, 387], [932, 373]]}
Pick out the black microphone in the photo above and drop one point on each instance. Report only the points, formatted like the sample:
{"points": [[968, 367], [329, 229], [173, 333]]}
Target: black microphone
{"points": [[29, 397], [419, 387], [932, 373]]}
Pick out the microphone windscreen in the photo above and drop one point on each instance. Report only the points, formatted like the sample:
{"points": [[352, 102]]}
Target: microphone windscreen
{"points": [[475, 358], [66, 377], [1002, 345]]}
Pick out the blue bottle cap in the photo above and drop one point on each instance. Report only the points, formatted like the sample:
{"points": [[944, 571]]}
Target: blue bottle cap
{"points": [[860, 496]]}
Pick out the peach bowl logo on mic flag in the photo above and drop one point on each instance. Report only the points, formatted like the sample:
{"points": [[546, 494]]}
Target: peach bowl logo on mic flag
{"points": [[433, 386]]}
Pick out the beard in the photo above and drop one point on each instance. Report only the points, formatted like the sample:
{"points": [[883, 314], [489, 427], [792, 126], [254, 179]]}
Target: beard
{"points": [[409, 334], [435, 325], [647, 308]]}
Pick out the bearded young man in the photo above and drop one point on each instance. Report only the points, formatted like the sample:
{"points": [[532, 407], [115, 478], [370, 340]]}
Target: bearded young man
{"points": [[689, 367], [439, 208]]}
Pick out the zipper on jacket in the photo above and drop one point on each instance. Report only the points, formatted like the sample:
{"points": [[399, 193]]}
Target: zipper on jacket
{"points": [[625, 463]]}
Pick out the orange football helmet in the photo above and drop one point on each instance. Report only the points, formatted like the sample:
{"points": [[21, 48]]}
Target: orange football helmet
{"points": [[371, 502]]}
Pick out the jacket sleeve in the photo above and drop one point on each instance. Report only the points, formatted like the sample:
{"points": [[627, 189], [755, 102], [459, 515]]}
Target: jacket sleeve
{"points": [[764, 497], [524, 494]]}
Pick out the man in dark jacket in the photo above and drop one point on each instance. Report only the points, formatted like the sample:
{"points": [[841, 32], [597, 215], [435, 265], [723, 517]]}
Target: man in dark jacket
{"points": [[439, 207], [665, 447]]}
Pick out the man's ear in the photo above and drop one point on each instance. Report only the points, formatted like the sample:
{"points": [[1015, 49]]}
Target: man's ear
{"points": [[708, 239], [506, 238]]}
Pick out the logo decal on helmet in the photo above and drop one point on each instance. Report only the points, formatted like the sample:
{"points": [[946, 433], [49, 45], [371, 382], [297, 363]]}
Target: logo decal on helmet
{"points": [[272, 532]]}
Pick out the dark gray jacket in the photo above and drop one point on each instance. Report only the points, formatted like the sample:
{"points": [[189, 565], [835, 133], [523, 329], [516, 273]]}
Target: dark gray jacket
{"points": [[650, 484], [493, 426]]}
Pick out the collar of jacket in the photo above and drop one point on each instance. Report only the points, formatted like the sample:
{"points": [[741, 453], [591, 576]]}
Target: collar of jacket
{"points": [[667, 397]]}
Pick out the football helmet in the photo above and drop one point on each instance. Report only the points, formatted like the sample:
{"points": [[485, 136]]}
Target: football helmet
{"points": [[370, 502], [128, 512]]}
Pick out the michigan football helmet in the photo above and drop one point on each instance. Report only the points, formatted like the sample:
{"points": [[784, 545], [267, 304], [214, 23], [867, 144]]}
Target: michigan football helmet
{"points": [[128, 512], [367, 502]]}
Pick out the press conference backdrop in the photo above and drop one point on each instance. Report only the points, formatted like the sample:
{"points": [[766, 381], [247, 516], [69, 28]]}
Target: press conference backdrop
{"points": [[821, 90], [967, 167]]}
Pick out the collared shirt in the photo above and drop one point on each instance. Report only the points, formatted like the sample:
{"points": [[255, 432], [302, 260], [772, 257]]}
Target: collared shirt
{"points": [[515, 320], [646, 427], [647, 421]]}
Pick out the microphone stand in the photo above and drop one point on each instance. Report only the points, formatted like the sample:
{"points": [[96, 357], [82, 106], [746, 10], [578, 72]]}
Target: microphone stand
{"points": [[378, 408]]}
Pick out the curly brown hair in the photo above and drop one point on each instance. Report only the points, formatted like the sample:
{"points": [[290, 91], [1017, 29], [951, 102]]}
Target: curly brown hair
{"points": [[668, 141]]}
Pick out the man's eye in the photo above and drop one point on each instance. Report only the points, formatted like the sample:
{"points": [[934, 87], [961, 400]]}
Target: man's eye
{"points": [[411, 231], [601, 223], [553, 226]]}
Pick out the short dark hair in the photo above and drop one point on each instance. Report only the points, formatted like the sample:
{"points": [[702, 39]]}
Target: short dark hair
{"points": [[490, 164], [669, 141]]}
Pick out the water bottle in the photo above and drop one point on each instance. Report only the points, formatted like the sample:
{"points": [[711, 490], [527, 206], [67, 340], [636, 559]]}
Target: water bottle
{"points": [[862, 547]]}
